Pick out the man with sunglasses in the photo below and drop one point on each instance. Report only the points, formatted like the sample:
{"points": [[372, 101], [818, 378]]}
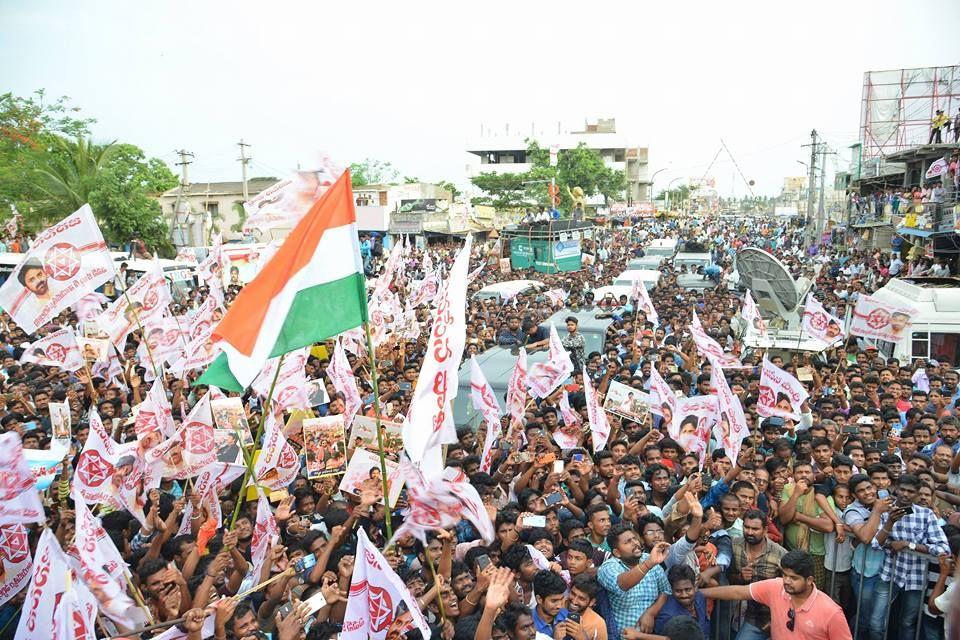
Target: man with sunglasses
{"points": [[797, 608]]}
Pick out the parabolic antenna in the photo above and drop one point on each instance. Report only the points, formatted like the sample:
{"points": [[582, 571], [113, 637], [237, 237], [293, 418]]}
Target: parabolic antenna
{"points": [[773, 288]]}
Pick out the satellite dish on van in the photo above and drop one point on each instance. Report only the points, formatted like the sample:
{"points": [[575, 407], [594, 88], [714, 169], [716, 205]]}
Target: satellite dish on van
{"points": [[773, 288]]}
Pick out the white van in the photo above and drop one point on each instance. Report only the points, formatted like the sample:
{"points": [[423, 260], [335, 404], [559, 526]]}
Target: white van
{"points": [[935, 331], [663, 247], [649, 277]]}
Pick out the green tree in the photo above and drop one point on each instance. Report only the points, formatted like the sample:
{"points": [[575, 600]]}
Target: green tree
{"points": [[237, 227], [372, 171], [446, 185], [579, 167], [124, 202], [29, 128]]}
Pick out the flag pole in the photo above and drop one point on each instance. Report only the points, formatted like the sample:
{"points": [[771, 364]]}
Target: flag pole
{"points": [[263, 420], [138, 597], [143, 336], [376, 417], [436, 582]]}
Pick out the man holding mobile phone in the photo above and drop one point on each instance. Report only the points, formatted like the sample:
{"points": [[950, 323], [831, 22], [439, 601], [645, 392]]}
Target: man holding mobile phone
{"points": [[908, 533]]}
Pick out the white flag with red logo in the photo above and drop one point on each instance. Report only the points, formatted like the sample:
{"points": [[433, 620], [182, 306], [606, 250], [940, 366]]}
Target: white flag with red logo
{"points": [[19, 499], [756, 326], [485, 401], [211, 268], [643, 301], [57, 604], [874, 318], [211, 480], [103, 466], [731, 426], [517, 388], [599, 427], [278, 464], [780, 393], [59, 349], [64, 263], [284, 203], [203, 319], [567, 436], [166, 340], [710, 348], [265, 535], [695, 418], [148, 299], [341, 375], [290, 391], [664, 402], [102, 567], [198, 441], [438, 502], [155, 414], [819, 323], [430, 420], [544, 377], [200, 352], [424, 290], [90, 306], [15, 556], [379, 603]]}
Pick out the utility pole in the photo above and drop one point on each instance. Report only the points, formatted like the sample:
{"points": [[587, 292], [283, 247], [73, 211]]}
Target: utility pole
{"points": [[184, 182], [243, 160], [821, 211], [811, 184]]}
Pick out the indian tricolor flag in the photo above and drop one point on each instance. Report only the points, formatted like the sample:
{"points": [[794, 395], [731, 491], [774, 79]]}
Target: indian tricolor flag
{"points": [[313, 288]]}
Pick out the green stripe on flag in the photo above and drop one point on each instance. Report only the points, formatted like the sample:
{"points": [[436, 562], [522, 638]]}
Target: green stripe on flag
{"points": [[218, 374], [317, 313], [322, 311]]}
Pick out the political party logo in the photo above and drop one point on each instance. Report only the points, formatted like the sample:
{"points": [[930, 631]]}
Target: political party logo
{"points": [[767, 397], [381, 608], [200, 439], [151, 299], [286, 396], [56, 352], [819, 321], [288, 459], [878, 319], [13, 544], [93, 468], [61, 261]]}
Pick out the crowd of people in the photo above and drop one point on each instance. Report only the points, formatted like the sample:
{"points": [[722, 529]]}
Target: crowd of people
{"points": [[841, 522]]}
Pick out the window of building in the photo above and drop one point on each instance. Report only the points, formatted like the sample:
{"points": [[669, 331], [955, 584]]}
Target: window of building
{"points": [[213, 208], [619, 155]]}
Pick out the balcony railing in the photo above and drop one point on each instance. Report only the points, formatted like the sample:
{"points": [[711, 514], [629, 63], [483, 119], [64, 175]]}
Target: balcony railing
{"points": [[926, 216]]}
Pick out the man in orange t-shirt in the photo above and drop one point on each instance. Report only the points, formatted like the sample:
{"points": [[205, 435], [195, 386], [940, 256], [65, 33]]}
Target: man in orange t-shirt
{"points": [[797, 608]]}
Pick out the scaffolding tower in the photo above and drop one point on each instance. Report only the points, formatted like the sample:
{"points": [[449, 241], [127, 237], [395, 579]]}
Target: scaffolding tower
{"points": [[898, 105]]}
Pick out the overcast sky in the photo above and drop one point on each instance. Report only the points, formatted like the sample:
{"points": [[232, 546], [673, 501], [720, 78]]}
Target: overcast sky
{"points": [[411, 82]]}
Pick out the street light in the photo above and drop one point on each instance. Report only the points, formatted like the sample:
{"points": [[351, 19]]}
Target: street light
{"points": [[653, 193], [667, 203]]}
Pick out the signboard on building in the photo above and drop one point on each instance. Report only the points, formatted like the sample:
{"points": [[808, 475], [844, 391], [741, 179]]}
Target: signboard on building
{"points": [[566, 249], [423, 205]]}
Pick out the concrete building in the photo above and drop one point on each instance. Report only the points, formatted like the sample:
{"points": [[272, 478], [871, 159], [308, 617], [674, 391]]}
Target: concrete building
{"points": [[505, 151], [205, 205]]}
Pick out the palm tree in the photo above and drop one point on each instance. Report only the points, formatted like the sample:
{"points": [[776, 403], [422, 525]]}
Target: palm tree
{"points": [[70, 174]]}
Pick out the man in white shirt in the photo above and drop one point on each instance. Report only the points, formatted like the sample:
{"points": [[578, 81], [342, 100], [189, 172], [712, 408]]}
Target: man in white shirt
{"points": [[896, 265]]}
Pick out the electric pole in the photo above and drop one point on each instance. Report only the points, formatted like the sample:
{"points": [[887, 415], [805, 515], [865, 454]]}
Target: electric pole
{"points": [[811, 184], [821, 211], [243, 160], [184, 182]]}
